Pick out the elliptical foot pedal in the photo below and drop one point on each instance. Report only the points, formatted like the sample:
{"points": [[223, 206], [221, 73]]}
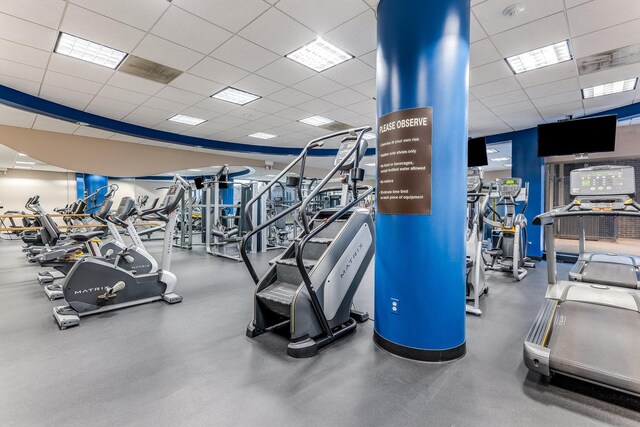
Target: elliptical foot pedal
{"points": [[172, 298], [359, 316], [302, 349], [66, 317], [45, 278], [54, 292]]}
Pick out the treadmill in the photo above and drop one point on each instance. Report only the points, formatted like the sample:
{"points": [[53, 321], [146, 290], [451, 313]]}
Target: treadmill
{"points": [[588, 326]]}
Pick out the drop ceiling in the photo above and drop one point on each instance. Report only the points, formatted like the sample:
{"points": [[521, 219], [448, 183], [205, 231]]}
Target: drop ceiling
{"points": [[243, 43]]}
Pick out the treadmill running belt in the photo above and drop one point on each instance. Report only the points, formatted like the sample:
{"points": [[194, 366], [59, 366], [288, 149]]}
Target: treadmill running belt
{"points": [[597, 343]]}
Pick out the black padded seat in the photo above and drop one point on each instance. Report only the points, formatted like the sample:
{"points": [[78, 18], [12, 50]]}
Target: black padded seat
{"points": [[85, 237]]}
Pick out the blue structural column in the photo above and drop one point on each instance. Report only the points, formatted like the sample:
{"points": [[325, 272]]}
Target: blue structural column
{"points": [[423, 59], [87, 184]]}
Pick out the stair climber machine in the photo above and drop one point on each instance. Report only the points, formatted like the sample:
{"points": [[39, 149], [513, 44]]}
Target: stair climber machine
{"points": [[95, 285], [509, 254], [307, 294], [132, 258], [477, 199], [588, 326]]}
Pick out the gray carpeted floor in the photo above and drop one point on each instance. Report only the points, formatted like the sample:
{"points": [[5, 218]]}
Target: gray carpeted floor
{"points": [[191, 364]]}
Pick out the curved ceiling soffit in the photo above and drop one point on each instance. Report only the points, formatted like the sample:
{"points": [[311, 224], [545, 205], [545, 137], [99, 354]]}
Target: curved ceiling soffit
{"points": [[21, 100]]}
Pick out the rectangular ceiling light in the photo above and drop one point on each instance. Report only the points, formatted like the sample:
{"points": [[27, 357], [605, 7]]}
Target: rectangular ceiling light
{"points": [[538, 58], [195, 170], [491, 150], [316, 121], [369, 136], [236, 96], [262, 135], [507, 165], [187, 120], [609, 88], [22, 154], [500, 159], [369, 164], [86, 50], [22, 167], [319, 55], [25, 163]]}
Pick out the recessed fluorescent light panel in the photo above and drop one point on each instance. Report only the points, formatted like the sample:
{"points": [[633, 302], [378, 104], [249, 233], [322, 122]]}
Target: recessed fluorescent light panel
{"points": [[609, 88], [319, 55], [369, 164], [187, 120], [22, 155], [369, 136], [86, 50], [22, 167], [538, 58], [262, 135], [316, 121], [507, 165], [195, 170], [491, 150], [236, 96], [500, 159], [26, 163]]}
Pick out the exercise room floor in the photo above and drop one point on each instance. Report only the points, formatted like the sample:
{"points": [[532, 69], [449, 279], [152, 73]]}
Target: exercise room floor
{"points": [[191, 364]]}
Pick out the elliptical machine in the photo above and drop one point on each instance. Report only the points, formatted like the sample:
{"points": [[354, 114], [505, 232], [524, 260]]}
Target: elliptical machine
{"points": [[309, 289], [477, 199], [95, 285], [509, 254]]}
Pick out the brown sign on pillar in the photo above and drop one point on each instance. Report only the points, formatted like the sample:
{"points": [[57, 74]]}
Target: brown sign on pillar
{"points": [[404, 162]]}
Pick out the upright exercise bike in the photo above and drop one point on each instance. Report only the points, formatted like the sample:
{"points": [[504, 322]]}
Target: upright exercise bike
{"points": [[96, 285]]}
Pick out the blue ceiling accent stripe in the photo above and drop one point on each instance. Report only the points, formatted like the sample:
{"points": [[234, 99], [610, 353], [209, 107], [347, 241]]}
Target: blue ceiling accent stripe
{"points": [[34, 104]]}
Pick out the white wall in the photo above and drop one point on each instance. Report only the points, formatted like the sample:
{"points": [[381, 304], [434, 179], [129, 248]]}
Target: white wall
{"points": [[56, 189]]}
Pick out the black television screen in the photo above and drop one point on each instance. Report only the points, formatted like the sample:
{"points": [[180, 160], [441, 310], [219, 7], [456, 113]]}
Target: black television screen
{"points": [[477, 150], [578, 136]]}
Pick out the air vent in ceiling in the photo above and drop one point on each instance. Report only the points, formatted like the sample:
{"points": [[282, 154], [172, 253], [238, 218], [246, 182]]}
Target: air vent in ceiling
{"points": [[609, 59], [149, 70], [335, 126]]}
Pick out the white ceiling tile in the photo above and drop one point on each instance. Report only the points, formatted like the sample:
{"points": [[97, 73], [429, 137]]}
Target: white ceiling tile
{"points": [[560, 98], [43, 12], [350, 73], [343, 115], [277, 32], [476, 31], [490, 14], [213, 126], [356, 36], [27, 86], [164, 104], [258, 85], [21, 71], [489, 72], [552, 73], [136, 84], [230, 121], [77, 68], [195, 33], [69, 98], [139, 119], [179, 95], [125, 95], [345, 97], [246, 113], [151, 113], [367, 88], [27, 33], [174, 127], [543, 32], [505, 98], [231, 16], [519, 122], [560, 86], [100, 29], [369, 58], [286, 72], [598, 14], [610, 75], [291, 97], [483, 52], [93, 132], [574, 3], [23, 54], [100, 105], [367, 107], [212, 69], [476, 105], [607, 39], [552, 113], [522, 107], [14, 117], [273, 120], [317, 106], [322, 16], [217, 105], [196, 84], [482, 116], [609, 101], [167, 53], [139, 13], [318, 85], [199, 132], [200, 113], [54, 125], [496, 87], [244, 54], [293, 114], [267, 106], [74, 83]]}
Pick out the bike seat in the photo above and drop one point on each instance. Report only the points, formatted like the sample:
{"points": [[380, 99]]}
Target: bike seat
{"points": [[85, 237]]}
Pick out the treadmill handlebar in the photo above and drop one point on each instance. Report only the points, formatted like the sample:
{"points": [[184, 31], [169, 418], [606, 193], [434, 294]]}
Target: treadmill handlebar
{"points": [[630, 210]]}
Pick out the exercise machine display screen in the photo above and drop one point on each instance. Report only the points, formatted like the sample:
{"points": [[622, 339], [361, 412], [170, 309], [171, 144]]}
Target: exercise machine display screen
{"points": [[347, 145], [509, 186], [596, 181], [474, 181]]}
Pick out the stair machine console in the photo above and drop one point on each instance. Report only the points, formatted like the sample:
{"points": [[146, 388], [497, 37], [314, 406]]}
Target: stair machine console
{"points": [[477, 199], [509, 254], [307, 293], [588, 326], [95, 285]]}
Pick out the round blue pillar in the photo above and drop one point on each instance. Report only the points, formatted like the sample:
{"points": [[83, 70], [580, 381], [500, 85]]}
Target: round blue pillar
{"points": [[423, 61]]}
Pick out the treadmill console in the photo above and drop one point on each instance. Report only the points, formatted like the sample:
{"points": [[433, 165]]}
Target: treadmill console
{"points": [[474, 181], [509, 187], [345, 146], [603, 181]]}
